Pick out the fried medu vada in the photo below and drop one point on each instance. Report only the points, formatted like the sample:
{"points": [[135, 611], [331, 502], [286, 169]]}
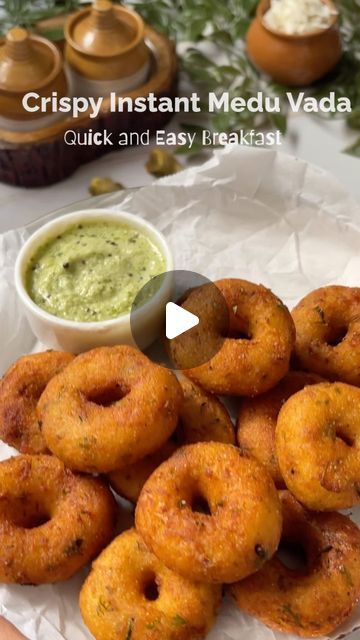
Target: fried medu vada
{"points": [[210, 514], [128, 481], [318, 445], [110, 407], [20, 390], [254, 355], [131, 594], [313, 598], [328, 333], [257, 419], [52, 521], [202, 418]]}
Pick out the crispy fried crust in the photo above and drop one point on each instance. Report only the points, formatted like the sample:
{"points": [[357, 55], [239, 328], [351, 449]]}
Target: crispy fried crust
{"points": [[241, 525], [244, 367], [52, 521], [313, 601], [318, 445], [328, 333], [129, 480], [202, 418], [256, 422], [20, 390], [131, 594], [110, 407]]}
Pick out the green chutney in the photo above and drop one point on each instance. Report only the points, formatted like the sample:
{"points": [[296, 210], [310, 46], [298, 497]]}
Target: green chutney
{"points": [[92, 271]]}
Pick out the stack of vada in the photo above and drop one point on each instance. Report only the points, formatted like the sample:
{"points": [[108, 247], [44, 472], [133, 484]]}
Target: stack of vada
{"points": [[215, 506]]}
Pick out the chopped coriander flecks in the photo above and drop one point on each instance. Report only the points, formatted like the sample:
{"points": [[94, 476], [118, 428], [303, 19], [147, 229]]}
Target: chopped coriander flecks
{"points": [[290, 613], [179, 621], [97, 278], [130, 629], [348, 577]]}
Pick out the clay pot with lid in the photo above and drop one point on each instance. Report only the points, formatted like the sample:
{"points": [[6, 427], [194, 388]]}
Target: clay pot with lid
{"points": [[293, 59], [28, 63], [105, 49]]}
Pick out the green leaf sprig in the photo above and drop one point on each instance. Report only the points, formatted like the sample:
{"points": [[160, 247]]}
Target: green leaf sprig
{"points": [[199, 23], [27, 13]]}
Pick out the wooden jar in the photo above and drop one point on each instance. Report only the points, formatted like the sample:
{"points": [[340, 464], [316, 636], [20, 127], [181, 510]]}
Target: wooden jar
{"points": [[28, 63], [105, 50], [42, 157]]}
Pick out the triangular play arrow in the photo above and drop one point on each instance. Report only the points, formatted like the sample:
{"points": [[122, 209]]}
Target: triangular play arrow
{"points": [[178, 320]]}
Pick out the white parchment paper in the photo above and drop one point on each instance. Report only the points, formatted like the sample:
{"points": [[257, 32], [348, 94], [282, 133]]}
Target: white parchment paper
{"points": [[250, 213]]}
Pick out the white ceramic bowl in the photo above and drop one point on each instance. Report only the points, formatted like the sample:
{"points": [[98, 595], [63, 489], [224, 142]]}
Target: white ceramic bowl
{"points": [[73, 336]]}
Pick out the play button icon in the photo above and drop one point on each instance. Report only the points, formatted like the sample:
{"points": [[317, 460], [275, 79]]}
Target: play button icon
{"points": [[178, 320], [188, 327]]}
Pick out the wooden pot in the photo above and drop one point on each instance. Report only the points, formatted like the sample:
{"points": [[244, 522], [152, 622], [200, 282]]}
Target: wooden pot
{"points": [[28, 63], [41, 158], [105, 49]]}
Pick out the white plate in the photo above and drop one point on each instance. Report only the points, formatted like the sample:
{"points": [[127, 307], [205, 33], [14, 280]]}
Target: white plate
{"points": [[251, 213]]}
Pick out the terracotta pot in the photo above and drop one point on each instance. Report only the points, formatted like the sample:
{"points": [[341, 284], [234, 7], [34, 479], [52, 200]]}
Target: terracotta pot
{"points": [[293, 60], [105, 49], [28, 63]]}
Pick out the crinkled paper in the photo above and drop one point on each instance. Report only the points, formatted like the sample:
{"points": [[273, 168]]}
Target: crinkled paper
{"points": [[250, 213]]}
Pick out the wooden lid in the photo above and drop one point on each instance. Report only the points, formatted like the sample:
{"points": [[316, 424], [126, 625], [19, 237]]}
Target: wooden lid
{"points": [[27, 62], [104, 30]]}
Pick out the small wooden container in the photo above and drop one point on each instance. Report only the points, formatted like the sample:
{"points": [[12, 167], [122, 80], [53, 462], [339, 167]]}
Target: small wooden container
{"points": [[105, 50], [42, 157], [28, 63], [293, 60]]}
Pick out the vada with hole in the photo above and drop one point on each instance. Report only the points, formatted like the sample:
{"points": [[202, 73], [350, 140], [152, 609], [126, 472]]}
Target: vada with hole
{"points": [[255, 353], [130, 594], [111, 407], [210, 514], [327, 325], [318, 445], [315, 597], [52, 521]]}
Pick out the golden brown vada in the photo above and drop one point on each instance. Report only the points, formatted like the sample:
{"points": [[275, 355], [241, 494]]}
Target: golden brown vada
{"points": [[20, 390], [202, 418], [110, 407], [255, 354], [210, 514], [318, 445], [52, 521], [256, 422], [128, 481], [328, 333], [312, 599], [130, 594]]}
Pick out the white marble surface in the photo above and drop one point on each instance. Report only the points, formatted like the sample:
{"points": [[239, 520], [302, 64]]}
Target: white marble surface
{"points": [[311, 138]]}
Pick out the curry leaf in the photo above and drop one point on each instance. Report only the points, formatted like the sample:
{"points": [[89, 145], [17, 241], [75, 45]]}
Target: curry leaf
{"points": [[354, 149]]}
